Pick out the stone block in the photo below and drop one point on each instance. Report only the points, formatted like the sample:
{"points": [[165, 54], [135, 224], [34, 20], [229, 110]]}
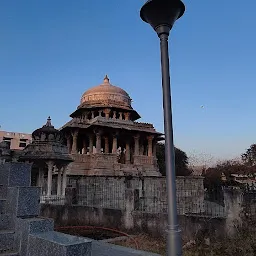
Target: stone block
{"points": [[5, 220], [3, 191], [15, 174], [104, 249], [24, 227], [23, 201], [7, 239], [2, 205], [57, 244]]}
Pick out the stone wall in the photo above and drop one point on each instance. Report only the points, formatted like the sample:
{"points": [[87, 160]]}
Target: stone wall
{"points": [[125, 211], [132, 220], [154, 224], [149, 193]]}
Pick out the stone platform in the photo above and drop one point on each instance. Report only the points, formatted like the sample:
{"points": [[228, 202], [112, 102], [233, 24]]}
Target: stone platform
{"points": [[23, 233]]}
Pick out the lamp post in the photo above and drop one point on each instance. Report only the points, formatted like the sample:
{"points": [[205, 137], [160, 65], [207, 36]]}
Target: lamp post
{"points": [[161, 15]]}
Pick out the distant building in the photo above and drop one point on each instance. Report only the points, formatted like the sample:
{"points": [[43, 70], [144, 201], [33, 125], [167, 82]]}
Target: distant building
{"points": [[16, 140]]}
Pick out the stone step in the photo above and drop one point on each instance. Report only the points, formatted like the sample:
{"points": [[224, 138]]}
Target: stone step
{"points": [[43, 244], [5, 221], [7, 238], [3, 191], [2, 205], [9, 253]]}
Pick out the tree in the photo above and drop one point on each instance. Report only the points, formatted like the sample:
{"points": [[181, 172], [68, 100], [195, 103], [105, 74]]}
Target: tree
{"points": [[181, 160], [249, 157], [213, 175]]}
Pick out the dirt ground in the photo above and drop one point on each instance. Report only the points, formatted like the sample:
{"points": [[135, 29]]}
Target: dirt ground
{"points": [[150, 244], [145, 243]]}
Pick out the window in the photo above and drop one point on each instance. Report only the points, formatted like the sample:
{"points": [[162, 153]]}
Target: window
{"points": [[22, 144], [8, 140]]}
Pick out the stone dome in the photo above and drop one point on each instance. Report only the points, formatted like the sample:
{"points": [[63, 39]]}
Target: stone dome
{"points": [[106, 94], [47, 144], [47, 132]]}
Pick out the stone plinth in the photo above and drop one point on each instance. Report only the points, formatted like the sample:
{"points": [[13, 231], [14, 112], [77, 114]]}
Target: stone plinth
{"points": [[23, 201], [58, 244], [25, 227], [15, 174]]}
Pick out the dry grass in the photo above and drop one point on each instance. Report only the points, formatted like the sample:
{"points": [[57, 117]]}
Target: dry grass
{"points": [[150, 244], [244, 244], [145, 243]]}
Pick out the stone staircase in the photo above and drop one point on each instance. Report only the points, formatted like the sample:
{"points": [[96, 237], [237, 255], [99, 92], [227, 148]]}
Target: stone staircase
{"points": [[22, 232], [7, 230]]}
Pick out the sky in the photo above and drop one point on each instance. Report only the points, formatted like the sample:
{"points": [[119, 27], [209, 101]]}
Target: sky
{"points": [[52, 51]]}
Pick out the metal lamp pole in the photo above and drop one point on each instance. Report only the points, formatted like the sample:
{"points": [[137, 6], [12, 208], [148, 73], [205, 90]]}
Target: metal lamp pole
{"points": [[161, 15]]}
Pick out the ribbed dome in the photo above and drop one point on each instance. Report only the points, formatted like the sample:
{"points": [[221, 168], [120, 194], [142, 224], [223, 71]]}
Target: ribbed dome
{"points": [[106, 94], [47, 144], [47, 129]]}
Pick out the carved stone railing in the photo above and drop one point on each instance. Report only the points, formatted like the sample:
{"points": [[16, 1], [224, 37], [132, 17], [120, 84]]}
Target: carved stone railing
{"points": [[144, 160], [82, 158], [103, 161]]}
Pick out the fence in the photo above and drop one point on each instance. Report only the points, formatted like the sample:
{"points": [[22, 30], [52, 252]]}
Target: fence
{"points": [[149, 195]]}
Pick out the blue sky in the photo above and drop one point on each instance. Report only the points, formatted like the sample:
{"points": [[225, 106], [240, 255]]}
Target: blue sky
{"points": [[52, 51]]}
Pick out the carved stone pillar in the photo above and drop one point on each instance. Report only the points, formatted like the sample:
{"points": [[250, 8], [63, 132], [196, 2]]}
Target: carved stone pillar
{"points": [[114, 146], [41, 177], [142, 149], [150, 145], [91, 143], [154, 148], [127, 116], [107, 112], [84, 150], [114, 114], [37, 180], [64, 180], [120, 116], [49, 178], [98, 142], [127, 152], [74, 144], [136, 145], [106, 145], [59, 182], [92, 114], [69, 137]]}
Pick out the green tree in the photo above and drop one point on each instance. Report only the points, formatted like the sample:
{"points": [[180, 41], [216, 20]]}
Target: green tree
{"points": [[249, 157], [181, 160]]}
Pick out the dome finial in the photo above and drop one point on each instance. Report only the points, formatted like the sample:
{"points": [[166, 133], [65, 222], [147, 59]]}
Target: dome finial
{"points": [[48, 123], [106, 79]]}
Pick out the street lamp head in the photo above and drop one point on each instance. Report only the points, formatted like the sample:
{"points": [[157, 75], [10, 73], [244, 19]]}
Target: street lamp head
{"points": [[161, 14]]}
